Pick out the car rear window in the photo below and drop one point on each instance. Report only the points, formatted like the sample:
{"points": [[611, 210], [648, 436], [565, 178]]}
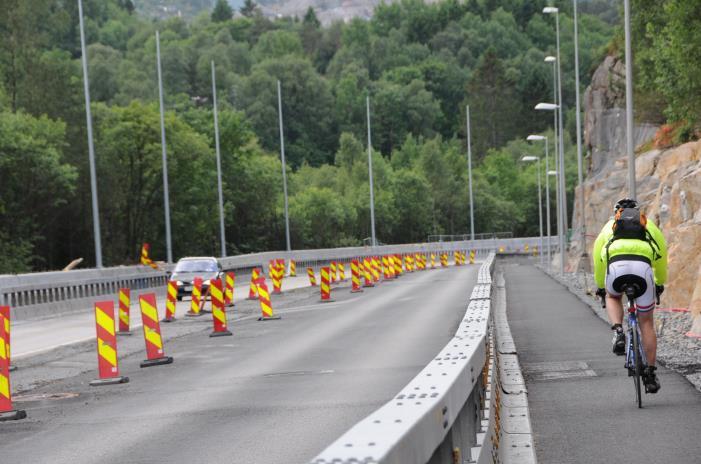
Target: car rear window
{"points": [[196, 265]]}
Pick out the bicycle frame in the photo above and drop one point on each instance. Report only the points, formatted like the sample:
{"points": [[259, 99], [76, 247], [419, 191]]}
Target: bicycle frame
{"points": [[633, 325]]}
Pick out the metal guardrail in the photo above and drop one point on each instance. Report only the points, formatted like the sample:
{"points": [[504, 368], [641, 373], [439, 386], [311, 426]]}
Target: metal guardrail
{"points": [[47, 293], [443, 410]]}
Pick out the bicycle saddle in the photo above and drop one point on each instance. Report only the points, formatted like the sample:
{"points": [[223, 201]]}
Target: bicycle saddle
{"points": [[632, 285]]}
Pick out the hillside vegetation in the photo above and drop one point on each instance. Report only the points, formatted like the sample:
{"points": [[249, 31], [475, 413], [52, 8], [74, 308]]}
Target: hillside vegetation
{"points": [[421, 64]]}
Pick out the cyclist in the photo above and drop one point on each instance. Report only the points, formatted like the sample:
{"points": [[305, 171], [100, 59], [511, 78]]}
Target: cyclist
{"points": [[631, 247]]}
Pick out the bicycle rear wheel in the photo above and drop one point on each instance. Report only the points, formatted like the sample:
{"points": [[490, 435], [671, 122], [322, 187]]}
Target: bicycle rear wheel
{"points": [[637, 365]]}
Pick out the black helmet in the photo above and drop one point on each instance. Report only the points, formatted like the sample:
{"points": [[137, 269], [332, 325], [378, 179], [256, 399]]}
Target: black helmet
{"points": [[625, 203]]}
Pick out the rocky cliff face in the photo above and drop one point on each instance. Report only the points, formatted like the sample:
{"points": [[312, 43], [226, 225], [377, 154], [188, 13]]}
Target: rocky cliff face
{"points": [[668, 184]]}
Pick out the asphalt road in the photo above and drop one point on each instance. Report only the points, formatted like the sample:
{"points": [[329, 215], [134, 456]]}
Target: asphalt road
{"points": [[275, 392], [582, 402]]}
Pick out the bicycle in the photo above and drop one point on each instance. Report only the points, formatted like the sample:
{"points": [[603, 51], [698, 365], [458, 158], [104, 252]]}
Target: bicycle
{"points": [[636, 361]]}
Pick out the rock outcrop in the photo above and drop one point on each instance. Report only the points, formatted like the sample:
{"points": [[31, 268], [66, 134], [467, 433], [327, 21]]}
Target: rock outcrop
{"points": [[668, 184]]}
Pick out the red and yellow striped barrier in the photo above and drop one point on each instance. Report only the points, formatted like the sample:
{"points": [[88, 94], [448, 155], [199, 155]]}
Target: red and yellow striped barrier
{"points": [[6, 411], [397, 265], [312, 277], [367, 273], [355, 277], [472, 256], [293, 268], [145, 258], [218, 311], [107, 366], [277, 272], [124, 309], [444, 259], [326, 276], [341, 272], [433, 260], [332, 272], [229, 292], [253, 289], [196, 298], [5, 313], [152, 332], [385, 268], [171, 298], [375, 268], [266, 307]]}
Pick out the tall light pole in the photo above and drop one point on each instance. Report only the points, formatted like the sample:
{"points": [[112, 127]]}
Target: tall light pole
{"points": [[469, 173], [558, 203], [529, 158], [535, 138], [553, 107], [166, 195], [561, 157], [632, 190], [91, 147], [372, 192], [580, 168], [222, 237], [284, 172]]}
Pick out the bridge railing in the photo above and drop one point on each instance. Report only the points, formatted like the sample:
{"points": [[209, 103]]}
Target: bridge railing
{"points": [[46, 293]]}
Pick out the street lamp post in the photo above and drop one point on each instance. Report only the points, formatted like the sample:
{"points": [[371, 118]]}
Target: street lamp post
{"points": [[528, 158], [91, 147], [632, 190], [534, 138], [469, 173], [164, 157], [372, 189], [222, 236], [580, 167], [558, 215], [284, 171]]}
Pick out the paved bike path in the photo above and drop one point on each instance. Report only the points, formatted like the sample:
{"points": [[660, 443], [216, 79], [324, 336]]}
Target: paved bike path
{"points": [[582, 401]]}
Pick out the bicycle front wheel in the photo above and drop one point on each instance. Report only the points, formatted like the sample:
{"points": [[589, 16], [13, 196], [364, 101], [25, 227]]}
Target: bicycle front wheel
{"points": [[637, 365]]}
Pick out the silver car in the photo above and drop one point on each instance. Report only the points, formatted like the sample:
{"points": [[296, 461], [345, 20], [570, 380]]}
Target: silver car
{"points": [[205, 267]]}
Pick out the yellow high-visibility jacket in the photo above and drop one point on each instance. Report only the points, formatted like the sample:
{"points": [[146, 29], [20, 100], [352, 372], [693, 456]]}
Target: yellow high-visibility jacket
{"points": [[628, 246]]}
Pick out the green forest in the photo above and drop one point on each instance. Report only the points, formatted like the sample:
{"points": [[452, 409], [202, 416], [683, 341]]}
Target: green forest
{"points": [[420, 64]]}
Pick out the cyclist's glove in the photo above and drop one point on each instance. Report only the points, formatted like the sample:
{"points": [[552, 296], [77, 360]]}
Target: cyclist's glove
{"points": [[601, 292], [659, 289]]}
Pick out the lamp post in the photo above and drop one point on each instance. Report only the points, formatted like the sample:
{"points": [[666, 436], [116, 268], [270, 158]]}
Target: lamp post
{"points": [[553, 60], [164, 157], [469, 173], [222, 236], [372, 190], [529, 158], [580, 168], [536, 138], [632, 191], [284, 171], [560, 210], [91, 147]]}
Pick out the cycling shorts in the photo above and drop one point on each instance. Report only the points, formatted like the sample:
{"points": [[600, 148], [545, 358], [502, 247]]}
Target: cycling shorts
{"points": [[621, 272]]}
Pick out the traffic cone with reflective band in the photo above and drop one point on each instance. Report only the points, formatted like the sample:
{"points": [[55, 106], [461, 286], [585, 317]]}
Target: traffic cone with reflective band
{"points": [[253, 289], [472, 256], [341, 272], [367, 272], [332, 274], [152, 332], [5, 313], [229, 292], [277, 272], [6, 411], [312, 277], [375, 269], [171, 298], [325, 284], [355, 277], [107, 366], [266, 307], [124, 307], [196, 298], [218, 311], [293, 268], [145, 258]]}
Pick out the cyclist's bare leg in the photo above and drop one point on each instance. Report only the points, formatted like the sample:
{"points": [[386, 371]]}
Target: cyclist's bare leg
{"points": [[647, 330], [614, 308]]}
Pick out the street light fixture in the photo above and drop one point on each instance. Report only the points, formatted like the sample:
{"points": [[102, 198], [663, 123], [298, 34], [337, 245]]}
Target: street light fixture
{"points": [[538, 138], [529, 158]]}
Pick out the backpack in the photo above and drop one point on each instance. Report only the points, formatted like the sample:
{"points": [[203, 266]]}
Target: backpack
{"points": [[632, 224]]}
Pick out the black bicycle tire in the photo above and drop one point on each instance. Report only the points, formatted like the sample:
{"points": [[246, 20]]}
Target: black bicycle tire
{"points": [[637, 368]]}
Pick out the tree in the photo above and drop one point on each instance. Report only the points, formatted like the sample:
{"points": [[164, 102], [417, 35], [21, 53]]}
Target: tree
{"points": [[249, 9], [222, 11]]}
